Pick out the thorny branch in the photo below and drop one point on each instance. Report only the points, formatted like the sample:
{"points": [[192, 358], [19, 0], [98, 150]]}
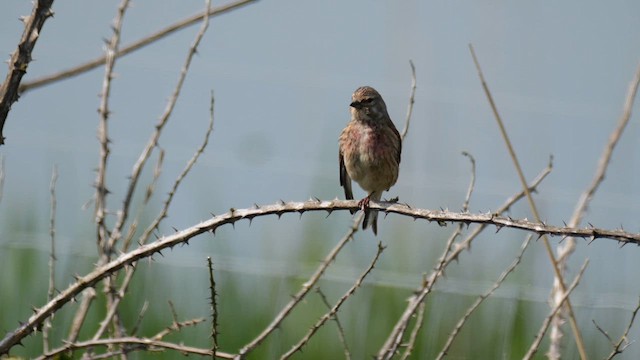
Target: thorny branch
{"points": [[234, 215], [547, 321], [21, 58], [568, 247], [334, 310], [532, 205], [136, 45]]}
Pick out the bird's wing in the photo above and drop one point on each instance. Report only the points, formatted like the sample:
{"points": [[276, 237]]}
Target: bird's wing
{"points": [[397, 134], [345, 180]]}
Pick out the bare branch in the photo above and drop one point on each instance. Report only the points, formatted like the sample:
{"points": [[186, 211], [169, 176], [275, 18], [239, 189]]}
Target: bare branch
{"points": [[129, 48], [140, 343], [21, 58], [414, 332], [388, 350], [52, 256], [605, 158], [306, 287], [214, 309], [568, 246], [547, 321], [341, 336], [482, 297], [103, 135], [165, 209], [334, 310], [532, 205], [280, 208], [411, 101], [88, 296], [624, 342], [155, 136]]}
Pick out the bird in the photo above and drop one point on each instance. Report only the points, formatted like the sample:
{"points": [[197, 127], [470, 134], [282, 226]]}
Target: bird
{"points": [[370, 148]]}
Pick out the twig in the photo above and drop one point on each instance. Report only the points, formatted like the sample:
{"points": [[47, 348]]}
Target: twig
{"points": [[442, 263], [103, 135], [88, 295], [131, 270], [334, 310], [143, 344], [624, 342], [568, 247], [176, 326], [143, 311], [605, 158], [394, 339], [21, 58], [214, 309], [129, 48], [411, 101], [157, 170], [155, 136], [532, 205], [306, 287], [52, 256], [165, 209], [414, 332], [482, 297], [547, 321], [102, 233], [467, 198], [341, 335]]}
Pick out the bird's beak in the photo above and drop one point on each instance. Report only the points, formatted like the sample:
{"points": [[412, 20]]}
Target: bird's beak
{"points": [[356, 105]]}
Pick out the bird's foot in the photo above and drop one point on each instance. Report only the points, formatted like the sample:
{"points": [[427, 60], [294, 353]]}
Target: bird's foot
{"points": [[364, 203]]}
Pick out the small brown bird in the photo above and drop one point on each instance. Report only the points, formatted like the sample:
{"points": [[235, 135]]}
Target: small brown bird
{"points": [[370, 148]]}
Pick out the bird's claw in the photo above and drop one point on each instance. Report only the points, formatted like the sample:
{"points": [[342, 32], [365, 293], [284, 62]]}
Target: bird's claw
{"points": [[364, 203]]}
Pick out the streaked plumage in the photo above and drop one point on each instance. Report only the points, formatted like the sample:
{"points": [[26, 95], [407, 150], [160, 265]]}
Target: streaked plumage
{"points": [[370, 148]]}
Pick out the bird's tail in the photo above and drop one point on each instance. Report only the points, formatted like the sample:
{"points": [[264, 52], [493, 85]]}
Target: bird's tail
{"points": [[371, 216]]}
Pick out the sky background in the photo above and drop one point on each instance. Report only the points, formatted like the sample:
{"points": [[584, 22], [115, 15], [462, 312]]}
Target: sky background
{"points": [[282, 73]]}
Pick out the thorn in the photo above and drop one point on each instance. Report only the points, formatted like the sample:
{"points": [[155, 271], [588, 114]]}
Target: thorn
{"points": [[232, 210], [316, 199], [591, 225], [255, 206], [174, 229], [565, 223], [280, 202], [212, 214], [498, 228]]}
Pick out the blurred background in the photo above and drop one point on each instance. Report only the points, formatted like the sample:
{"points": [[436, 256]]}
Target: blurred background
{"points": [[282, 73]]}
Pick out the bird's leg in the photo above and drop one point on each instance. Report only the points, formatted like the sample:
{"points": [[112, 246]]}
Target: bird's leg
{"points": [[364, 203]]}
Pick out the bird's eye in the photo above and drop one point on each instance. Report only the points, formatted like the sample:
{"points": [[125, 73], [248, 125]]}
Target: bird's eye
{"points": [[367, 101]]}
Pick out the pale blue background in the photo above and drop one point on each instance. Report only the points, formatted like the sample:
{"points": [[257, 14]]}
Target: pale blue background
{"points": [[283, 73]]}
